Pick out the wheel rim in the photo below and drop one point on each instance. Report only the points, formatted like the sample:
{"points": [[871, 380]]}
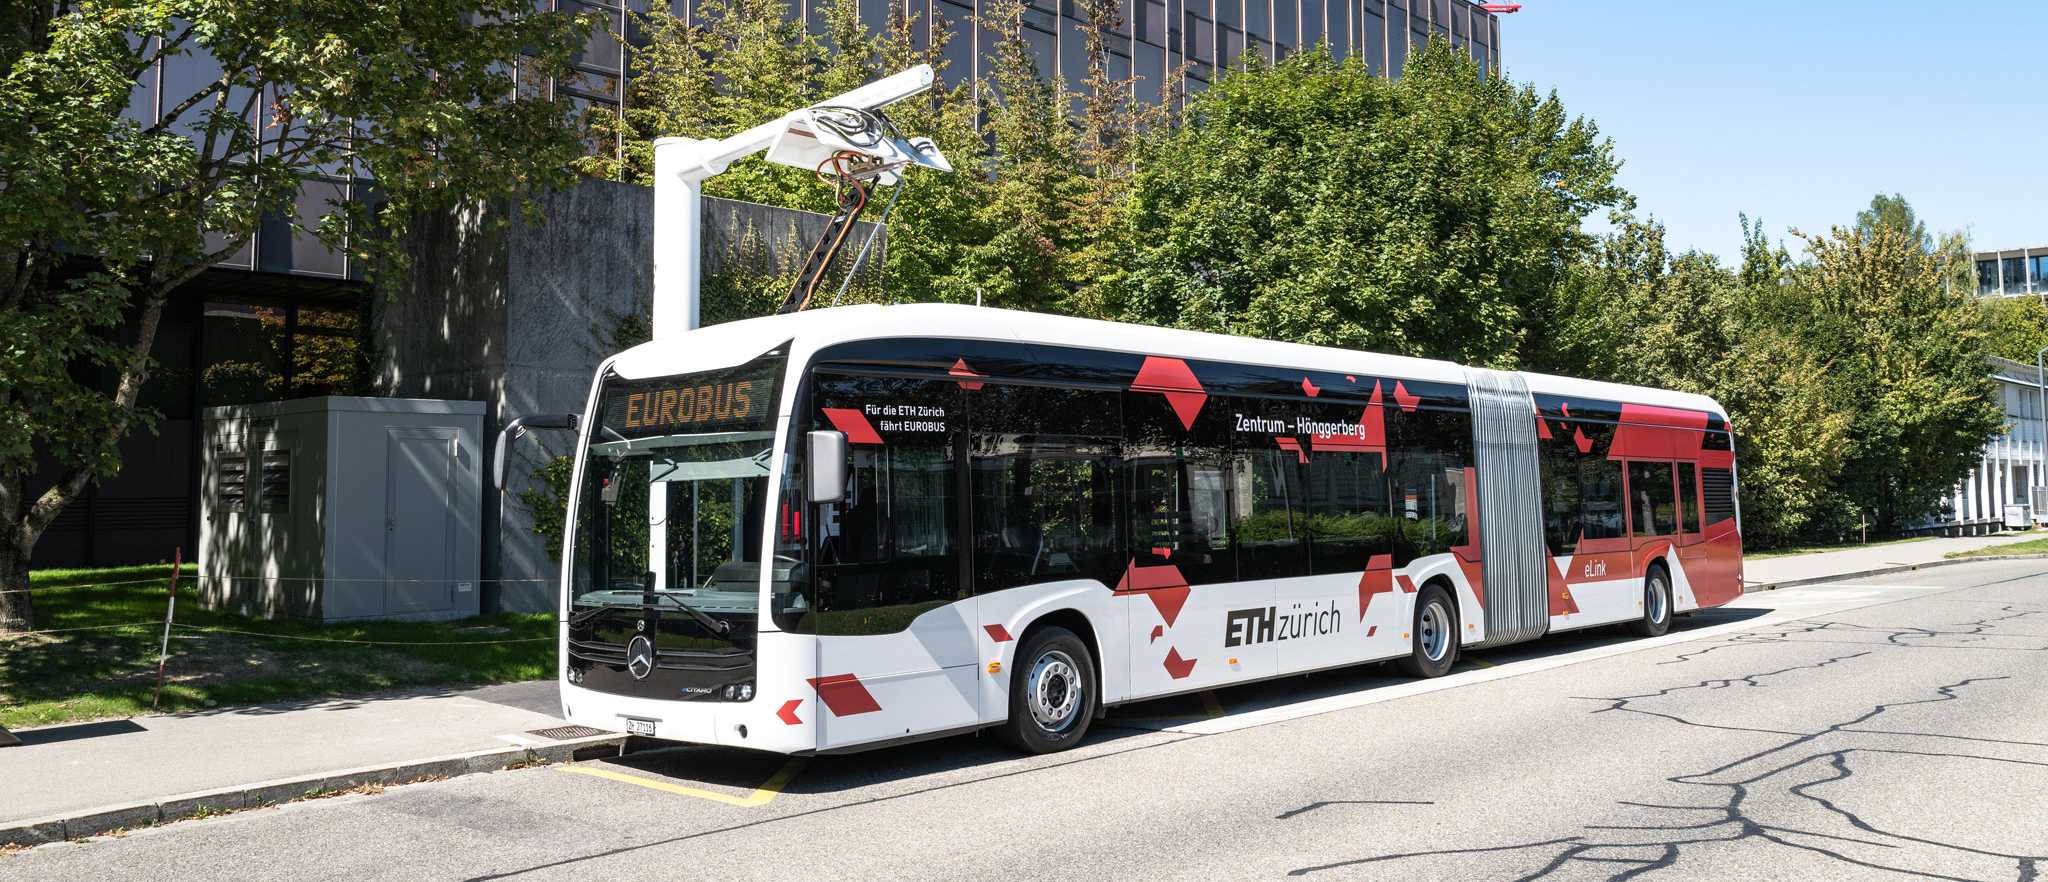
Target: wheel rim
{"points": [[1054, 692], [1436, 631], [1658, 593]]}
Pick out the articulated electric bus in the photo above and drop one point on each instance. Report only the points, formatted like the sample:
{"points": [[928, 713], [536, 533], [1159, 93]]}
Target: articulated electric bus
{"points": [[843, 528]]}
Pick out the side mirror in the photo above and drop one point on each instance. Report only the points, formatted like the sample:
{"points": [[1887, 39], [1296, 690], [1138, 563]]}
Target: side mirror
{"points": [[516, 428], [825, 472]]}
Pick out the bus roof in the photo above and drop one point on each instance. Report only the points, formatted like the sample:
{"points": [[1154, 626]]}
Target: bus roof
{"points": [[731, 343]]}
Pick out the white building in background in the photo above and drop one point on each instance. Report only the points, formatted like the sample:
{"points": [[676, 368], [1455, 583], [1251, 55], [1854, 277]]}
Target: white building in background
{"points": [[2011, 471]]}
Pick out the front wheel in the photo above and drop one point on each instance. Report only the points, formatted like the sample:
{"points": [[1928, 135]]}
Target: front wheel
{"points": [[1052, 692], [1656, 620], [1433, 644]]}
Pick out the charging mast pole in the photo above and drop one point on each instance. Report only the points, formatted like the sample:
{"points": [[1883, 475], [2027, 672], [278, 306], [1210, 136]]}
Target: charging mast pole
{"points": [[805, 138], [681, 165]]}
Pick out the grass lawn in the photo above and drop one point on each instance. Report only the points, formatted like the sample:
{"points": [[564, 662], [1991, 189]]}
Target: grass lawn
{"points": [[2030, 546], [1811, 549], [110, 669]]}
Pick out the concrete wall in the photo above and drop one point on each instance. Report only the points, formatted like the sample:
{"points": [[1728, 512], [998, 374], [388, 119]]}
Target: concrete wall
{"points": [[517, 314]]}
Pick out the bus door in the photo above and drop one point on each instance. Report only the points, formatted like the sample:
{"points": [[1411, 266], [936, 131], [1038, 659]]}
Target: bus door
{"points": [[895, 614], [1692, 545], [1652, 511], [1044, 476]]}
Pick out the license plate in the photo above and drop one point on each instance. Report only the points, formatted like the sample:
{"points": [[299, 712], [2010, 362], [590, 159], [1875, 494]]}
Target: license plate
{"points": [[639, 727]]}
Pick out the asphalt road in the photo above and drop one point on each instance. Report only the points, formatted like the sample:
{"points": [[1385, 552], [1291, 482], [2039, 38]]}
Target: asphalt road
{"points": [[1894, 727]]}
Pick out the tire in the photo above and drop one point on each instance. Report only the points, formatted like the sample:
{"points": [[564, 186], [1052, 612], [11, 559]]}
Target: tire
{"points": [[1052, 692], [1656, 620], [1433, 639]]}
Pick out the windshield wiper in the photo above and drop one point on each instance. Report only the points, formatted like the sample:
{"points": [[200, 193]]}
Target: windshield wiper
{"points": [[717, 626], [649, 594]]}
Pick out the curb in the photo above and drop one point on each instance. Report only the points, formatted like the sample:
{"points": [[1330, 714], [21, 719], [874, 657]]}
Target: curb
{"points": [[1885, 571], [263, 794]]}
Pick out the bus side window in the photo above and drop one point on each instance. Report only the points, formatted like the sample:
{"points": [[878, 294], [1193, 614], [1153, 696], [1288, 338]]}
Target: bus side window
{"points": [[1044, 476], [1349, 518], [1651, 505], [1560, 464], [1269, 514], [885, 554], [1688, 499], [1178, 503], [1429, 450]]}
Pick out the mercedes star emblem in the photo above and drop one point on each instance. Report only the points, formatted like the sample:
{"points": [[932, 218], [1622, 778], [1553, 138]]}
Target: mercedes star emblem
{"points": [[640, 657]]}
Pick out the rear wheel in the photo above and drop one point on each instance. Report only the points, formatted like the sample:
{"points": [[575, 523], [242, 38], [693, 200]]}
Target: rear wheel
{"points": [[1433, 644], [1656, 620], [1052, 692]]}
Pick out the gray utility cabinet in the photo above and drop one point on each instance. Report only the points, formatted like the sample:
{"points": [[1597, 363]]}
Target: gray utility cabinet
{"points": [[331, 509]]}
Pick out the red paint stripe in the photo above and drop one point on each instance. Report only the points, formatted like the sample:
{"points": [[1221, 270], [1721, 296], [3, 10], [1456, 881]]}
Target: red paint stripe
{"points": [[997, 633]]}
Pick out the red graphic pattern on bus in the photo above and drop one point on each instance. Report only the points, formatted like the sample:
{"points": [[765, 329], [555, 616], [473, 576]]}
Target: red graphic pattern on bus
{"points": [[854, 423], [1172, 378], [844, 695]]}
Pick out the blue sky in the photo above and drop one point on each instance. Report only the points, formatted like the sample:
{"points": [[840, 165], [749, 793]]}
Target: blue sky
{"points": [[1798, 112]]}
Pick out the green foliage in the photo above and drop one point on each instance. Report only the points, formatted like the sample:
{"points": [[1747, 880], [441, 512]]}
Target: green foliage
{"points": [[98, 671], [1853, 377], [1315, 202], [105, 209], [547, 499], [1905, 349], [2017, 327]]}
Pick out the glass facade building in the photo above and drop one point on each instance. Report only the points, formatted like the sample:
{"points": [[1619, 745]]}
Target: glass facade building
{"points": [[1154, 37], [2013, 272]]}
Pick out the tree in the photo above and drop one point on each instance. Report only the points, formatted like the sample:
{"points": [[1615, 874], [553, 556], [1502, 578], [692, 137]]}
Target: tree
{"points": [[1635, 313], [106, 206], [2018, 327], [1315, 202], [1905, 346]]}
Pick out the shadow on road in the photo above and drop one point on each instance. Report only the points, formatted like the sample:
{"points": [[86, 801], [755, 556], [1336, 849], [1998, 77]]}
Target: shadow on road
{"points": [[78, 731]]}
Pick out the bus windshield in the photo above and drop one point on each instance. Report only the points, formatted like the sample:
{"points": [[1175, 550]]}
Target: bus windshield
{"points": [[674, 484]]}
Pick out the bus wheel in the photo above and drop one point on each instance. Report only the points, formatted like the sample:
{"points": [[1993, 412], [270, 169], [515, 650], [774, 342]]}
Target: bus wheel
{"points": [[1434, 641], [1656, 618], [1052, 692]]}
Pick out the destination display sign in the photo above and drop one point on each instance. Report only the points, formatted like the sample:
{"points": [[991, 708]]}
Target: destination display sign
{"points": [[737, 399]]}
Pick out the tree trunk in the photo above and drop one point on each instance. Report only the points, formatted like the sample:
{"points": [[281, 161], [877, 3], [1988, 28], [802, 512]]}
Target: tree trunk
{"points": [[17, 609]]}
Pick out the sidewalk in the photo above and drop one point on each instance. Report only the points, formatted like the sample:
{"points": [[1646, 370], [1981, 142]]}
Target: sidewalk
{"points": [[78, 779], [1851, 562]]}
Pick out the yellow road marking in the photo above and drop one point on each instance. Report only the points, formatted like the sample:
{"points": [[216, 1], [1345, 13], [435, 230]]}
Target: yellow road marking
{"points": [[1210, 704], [761, 796], [1481, 662]]}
